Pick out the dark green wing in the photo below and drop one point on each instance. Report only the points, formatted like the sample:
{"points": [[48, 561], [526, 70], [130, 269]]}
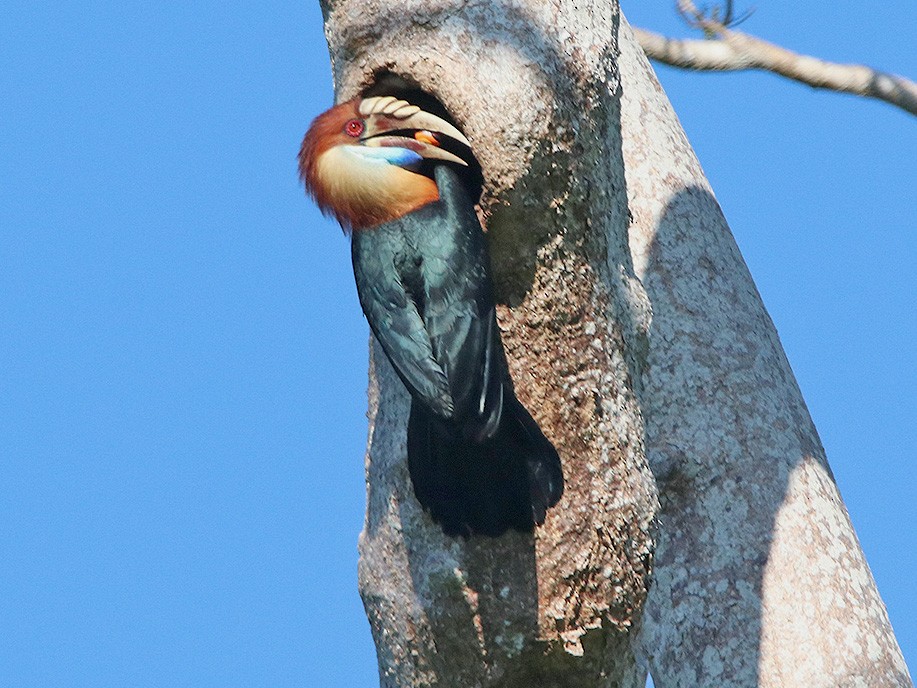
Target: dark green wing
{"points": [[424, 284], [459, 311], [394, 318]]}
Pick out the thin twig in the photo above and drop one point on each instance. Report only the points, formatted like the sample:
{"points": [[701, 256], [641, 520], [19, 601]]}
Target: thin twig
{"points": [[729, 50]]}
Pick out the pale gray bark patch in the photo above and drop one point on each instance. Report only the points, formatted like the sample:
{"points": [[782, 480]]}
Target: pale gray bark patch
{"points": [[759, 579], [535, 89]]}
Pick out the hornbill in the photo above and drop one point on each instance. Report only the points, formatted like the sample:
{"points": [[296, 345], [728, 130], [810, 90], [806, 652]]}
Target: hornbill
{"points": [[396, 176]]}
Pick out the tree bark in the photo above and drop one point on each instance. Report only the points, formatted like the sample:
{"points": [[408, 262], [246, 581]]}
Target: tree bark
{"points": [[759, 578], [590, 184], [534, 87]]}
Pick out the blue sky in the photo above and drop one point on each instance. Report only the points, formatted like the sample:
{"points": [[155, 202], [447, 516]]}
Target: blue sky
{"points": [[183, 359]]}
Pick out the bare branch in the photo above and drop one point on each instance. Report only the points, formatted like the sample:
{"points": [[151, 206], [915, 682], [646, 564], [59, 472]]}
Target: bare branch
{"points": [[727, 50]]}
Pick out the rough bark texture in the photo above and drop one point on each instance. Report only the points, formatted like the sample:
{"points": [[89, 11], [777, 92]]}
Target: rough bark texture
{"points": [[759, 578], [535, 88]]}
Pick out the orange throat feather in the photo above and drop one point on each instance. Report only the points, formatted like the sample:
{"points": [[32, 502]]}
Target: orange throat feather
{"points": [[362, 194]]}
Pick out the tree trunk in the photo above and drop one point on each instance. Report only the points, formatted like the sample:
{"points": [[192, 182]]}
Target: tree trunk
{"points": [[537, 89], [759, 578]]}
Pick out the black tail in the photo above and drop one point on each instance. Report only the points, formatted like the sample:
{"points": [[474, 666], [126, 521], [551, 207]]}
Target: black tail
{"points": [[508, 481]]}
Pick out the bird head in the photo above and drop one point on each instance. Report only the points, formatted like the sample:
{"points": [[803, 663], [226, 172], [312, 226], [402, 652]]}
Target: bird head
{"points": [[367, 161]]}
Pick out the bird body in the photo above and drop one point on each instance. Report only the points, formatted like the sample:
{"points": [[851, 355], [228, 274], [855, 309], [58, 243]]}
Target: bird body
{"points": [[478, 461]]}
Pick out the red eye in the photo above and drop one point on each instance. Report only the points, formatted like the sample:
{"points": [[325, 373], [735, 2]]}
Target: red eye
{"points": [[354, 127]]}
